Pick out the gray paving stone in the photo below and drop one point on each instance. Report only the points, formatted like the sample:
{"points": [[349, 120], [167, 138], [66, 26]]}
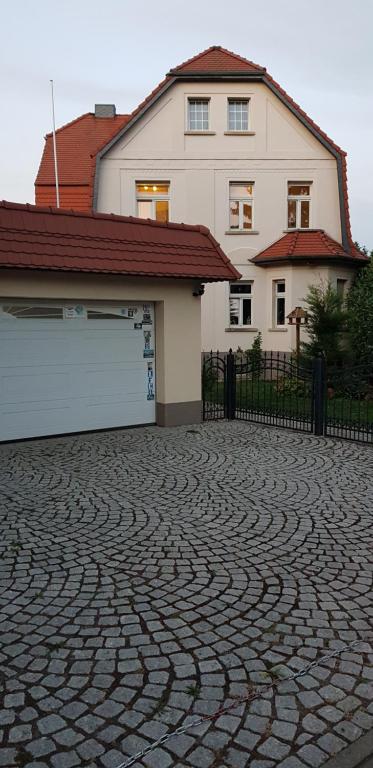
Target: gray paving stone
{"points": [[274, 748], [51, 724], [312, 755]]}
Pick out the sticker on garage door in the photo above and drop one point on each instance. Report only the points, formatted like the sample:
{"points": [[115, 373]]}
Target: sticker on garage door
{"points": [[148, 351], [150, 395], [71, 313], [146, 314]]}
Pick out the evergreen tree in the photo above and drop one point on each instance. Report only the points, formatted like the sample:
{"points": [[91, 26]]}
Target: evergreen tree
{"points": [[326, 323], [360, 314]]}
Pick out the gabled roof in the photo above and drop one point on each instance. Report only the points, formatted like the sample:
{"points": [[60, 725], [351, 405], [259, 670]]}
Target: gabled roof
{"points": [[308, 245], [53, 239], [214, 60], [215, 63]]}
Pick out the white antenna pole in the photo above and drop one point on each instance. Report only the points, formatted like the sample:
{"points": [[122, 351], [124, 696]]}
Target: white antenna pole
{"points": [[55, 151]]}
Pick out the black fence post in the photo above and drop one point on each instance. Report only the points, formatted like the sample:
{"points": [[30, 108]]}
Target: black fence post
{"points": [[319, 380], [230, 390]]}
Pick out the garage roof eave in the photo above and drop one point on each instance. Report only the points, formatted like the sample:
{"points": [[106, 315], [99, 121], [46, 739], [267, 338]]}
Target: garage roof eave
{"points": [[37, 238]]}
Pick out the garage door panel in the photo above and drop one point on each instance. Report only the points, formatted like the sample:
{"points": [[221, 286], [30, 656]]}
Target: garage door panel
{"points": [[73, 349], [62, 376], [25, 384]]}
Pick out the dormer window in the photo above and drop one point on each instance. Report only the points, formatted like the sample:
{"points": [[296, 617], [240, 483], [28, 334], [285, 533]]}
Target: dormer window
{"points": [[198, 114], [238, 115], [299, 205]]}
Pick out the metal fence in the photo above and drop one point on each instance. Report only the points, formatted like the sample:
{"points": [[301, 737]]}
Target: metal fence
{"points": [[275, 388]]}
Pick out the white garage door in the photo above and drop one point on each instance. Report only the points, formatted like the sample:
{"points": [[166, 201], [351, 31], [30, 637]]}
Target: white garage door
{"points": [[73, 368]]}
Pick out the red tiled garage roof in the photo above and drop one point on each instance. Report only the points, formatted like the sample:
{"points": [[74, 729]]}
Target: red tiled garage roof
{"points": [[53, 239], [301, 246]]}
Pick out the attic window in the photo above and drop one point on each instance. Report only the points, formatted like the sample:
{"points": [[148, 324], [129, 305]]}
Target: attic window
{"points": [[198, 114], [238, 114]]}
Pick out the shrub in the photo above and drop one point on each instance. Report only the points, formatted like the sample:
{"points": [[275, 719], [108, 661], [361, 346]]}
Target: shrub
{"points": [[326, 324], [254, 354]]}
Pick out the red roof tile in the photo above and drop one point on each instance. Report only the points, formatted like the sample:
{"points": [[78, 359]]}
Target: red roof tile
{"points": [[53, 239], [301, 245], [217, 59]]}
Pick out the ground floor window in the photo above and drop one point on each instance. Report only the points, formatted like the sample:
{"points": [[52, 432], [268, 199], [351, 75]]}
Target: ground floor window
{"points": [[279, 303], [240, 303], [341, 288]]}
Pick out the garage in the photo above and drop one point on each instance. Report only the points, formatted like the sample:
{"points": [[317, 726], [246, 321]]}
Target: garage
{"points": [[75, 367], [100, 320]]}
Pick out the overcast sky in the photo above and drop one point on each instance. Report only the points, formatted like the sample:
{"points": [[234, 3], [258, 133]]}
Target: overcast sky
{"points": [[117, 51]]}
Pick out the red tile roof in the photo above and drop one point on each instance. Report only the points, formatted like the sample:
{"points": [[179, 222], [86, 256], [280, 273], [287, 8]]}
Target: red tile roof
{"points": [[214, 60], [310, 245], [77, 145], [217, 59], [53, 239]]}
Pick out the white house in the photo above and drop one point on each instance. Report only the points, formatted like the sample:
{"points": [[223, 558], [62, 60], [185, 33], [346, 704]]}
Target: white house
{"points": [[220, 143]]}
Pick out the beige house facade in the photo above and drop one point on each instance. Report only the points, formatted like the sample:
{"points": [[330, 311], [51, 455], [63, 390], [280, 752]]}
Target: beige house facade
{"points": [[219, 143]]}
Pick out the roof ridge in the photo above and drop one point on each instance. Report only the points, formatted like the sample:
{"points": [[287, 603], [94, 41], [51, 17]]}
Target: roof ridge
{"points": [[81, 117], [293, 241], [216, 48], [106, 216]]}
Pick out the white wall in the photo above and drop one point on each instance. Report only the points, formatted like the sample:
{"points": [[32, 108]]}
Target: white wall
{"points": [[199, 169]]}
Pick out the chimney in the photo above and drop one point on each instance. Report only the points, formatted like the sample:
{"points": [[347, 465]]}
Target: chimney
{"points": [[105, 110]]}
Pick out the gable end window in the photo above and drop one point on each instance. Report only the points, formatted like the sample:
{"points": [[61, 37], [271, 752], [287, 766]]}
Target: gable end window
{"points": [[238, 114], [299, 204], [240, 303], [198, 114], [152, 200], [241, 205]]}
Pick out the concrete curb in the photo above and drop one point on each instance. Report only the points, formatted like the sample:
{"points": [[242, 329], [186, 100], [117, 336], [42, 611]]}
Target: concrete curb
{"points": [[357, 755]]}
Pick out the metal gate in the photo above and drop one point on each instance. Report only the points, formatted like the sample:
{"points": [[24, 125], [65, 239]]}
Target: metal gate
{"points": [[273, 389], [276, 389]]}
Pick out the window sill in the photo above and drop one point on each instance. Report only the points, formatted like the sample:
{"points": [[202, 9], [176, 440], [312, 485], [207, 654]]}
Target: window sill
{"points": [[242, 232], [241, 329], [298, 229], [199, 133], [239, 133], [278, 330]]}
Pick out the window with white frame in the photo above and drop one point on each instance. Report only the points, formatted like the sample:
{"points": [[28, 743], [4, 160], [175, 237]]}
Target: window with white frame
{"points": [[279, 303], [198, 114], [152, 199], [238, 114], [240, 303], [241, 205], [299, 205]]}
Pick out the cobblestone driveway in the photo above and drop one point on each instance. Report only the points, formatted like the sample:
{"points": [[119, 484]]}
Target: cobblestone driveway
{"points": [[151, 574]]}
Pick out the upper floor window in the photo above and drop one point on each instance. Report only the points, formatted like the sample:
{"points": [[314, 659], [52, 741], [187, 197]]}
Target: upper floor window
{"points": [[238, 114], [240, 301], [153, 200], [279, 300], [241, 205], [198, 114], [299, 204]]}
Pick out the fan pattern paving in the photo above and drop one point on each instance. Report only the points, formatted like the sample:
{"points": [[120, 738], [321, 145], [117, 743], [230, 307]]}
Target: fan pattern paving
{"points": [[150, 575]]}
